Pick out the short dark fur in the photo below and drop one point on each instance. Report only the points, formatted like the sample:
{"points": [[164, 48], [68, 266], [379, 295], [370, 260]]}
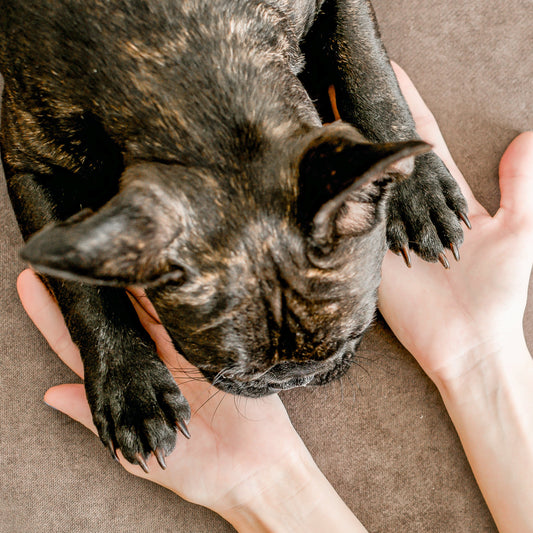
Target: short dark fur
{"points": [[178, 145]]}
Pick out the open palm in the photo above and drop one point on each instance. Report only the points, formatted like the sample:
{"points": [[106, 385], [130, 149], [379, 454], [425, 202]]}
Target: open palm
{"points": [[234, 441], [444, 316]]}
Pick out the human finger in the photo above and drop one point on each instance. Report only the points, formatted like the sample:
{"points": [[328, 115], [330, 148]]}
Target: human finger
{"points": [[143, 304], [516, 182], [71, 399], [181, 369], [429, 131], [46, 315], [148, 316]]}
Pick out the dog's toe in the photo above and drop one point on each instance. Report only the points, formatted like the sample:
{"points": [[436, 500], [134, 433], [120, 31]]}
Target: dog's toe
{"points": [[425, 213], [141, 417]]}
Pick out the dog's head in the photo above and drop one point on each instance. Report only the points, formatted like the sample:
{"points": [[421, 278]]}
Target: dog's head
{"points": [[266, 274]]}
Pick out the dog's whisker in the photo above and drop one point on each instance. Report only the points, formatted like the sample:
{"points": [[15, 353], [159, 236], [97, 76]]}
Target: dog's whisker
{"points": [[186, 371], [354, 384], [142, 306], [236, 401], [187, 379], [216, 408], [359, 365], [211, 396]]}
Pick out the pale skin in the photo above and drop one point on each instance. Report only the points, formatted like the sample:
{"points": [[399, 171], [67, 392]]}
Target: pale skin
{"points": [[246, 462]]}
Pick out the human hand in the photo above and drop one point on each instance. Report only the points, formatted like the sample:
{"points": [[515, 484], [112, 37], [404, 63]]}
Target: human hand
{"points": [[244, 460], [237, 444], [449, 319]]}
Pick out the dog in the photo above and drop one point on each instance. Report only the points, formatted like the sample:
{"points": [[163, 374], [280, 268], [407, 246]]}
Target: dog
{"points": [[191, 148]]}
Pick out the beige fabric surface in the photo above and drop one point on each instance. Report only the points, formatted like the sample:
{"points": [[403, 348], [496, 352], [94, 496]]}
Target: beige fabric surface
{"points": [[382, 435]]}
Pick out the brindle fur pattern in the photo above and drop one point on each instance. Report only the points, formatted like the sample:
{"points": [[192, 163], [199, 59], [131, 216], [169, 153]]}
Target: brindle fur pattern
{"points": [[179, 146]]}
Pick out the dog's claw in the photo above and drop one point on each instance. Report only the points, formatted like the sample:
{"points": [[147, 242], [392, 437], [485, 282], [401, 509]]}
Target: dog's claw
{"points": [[160, 458], [111, 449], [455, 251], [142, 463], [406, 255], [464, 218], [183, 428], [443, 260]]}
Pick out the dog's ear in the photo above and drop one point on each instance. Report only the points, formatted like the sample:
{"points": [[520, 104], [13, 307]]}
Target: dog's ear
{"points": [[343, 180], [128, 241]]}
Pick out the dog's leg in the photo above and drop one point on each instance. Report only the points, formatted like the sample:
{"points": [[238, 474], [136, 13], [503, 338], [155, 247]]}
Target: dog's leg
{"points": [[344, 49], [135, 402]]}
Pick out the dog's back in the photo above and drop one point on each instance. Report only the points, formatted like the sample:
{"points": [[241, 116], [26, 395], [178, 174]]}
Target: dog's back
{"points": [[173, 81]]}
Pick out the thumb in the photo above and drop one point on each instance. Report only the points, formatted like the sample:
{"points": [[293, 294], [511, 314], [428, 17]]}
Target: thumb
{"points": [[516, 183], [70, 399]]}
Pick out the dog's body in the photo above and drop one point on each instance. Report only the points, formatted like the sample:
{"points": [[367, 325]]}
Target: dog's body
{"points": [[194, 131]]}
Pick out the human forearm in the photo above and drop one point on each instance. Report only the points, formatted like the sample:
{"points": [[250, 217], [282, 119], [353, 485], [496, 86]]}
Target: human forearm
{"points": [[295, 497], [464, 327], [491, 406]]}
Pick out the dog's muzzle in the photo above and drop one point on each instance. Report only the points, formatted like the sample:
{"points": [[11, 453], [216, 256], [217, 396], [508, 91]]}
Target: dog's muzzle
{"points": [[286, 375]]}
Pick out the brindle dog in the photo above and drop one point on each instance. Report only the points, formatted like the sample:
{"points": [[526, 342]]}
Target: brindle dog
{"points": [[179, 145]]}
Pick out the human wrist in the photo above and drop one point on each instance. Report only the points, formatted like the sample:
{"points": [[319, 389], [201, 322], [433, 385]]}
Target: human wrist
{"points": [[290, 497], [485, 367], [490, 406], [262, 503]]}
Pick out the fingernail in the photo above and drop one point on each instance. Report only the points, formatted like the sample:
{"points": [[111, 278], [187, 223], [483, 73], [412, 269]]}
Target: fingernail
{"points": [[54, 408]]}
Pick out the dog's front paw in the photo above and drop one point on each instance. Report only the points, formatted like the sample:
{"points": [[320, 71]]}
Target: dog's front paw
{"points": [[424, 213], [136, 408]]}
